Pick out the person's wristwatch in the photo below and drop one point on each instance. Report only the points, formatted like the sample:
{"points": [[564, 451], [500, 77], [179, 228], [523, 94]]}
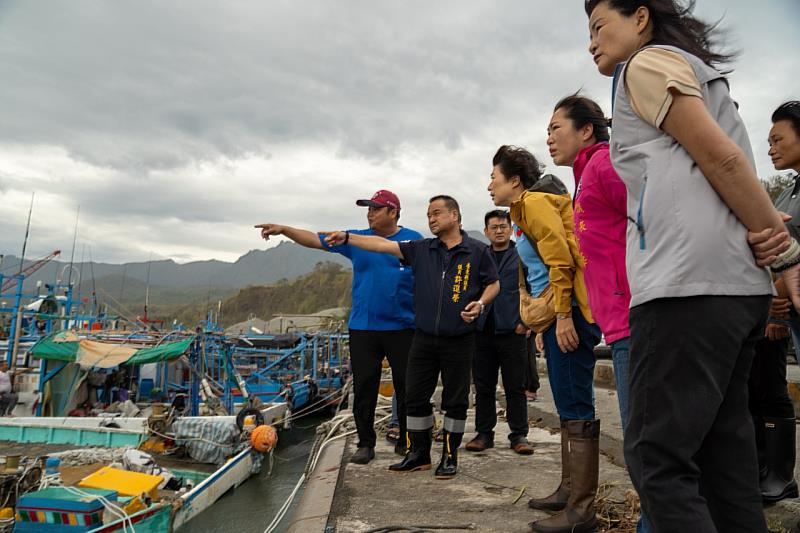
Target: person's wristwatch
{"points": [[482, 307], [562, 316]]}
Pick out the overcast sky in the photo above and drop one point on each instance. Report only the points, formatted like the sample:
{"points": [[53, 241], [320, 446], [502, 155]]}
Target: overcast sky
{"points": [[176, 126]]}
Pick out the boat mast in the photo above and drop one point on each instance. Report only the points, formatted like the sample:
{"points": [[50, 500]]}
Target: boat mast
{"points": [[74, 242], [18, 321]]}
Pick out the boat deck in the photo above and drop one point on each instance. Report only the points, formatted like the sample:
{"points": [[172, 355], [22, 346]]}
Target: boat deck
{"points": [[35, 449]]}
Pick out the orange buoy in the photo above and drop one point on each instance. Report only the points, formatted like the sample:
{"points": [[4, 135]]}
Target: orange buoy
{"points": [[264, 438]]}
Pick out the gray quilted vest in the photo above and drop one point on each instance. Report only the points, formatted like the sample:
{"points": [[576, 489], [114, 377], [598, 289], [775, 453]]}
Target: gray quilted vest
{"points": [[682, 240]]}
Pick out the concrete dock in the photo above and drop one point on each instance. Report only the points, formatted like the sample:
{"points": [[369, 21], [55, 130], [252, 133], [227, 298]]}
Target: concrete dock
{"points": [[492, 488]]}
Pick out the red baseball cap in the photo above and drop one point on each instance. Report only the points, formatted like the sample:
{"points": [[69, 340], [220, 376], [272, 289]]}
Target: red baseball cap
{"points": [[382, 198]]}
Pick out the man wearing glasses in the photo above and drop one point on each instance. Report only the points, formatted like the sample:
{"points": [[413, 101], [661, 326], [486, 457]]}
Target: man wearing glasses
{"points": [[501, 344]]}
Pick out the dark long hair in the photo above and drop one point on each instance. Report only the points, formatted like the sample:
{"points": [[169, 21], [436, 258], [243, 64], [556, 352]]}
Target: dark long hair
{"points": [[582, 111], [674, 25], [788, 111]]}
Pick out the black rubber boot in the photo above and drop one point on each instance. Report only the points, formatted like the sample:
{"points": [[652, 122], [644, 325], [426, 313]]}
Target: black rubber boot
{"points": [[401, 446], [779, 457], [419, 453], [448, 466]]}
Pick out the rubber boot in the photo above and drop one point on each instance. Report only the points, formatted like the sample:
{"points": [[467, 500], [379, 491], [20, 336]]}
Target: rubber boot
{"points": [[584, 468], [419, 453], [448, 466], [558, 500], [401, 446], [779, 459]]}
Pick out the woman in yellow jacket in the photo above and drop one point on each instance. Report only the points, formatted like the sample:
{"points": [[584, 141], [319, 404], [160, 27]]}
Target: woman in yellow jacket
{"points": [[545, 232]]}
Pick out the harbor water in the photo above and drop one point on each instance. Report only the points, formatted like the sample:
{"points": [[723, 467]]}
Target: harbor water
{"points": [[252, 506]]}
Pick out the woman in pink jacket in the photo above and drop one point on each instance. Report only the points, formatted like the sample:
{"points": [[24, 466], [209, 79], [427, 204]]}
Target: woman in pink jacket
{"points": [[577, 137]]}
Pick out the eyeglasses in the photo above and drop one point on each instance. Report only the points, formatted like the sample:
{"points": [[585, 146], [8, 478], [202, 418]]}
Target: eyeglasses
{"points": [[501, 227]]}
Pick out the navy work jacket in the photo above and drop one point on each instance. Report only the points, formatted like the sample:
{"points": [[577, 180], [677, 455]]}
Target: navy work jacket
{"points": [[445, 281], [505, 307]]}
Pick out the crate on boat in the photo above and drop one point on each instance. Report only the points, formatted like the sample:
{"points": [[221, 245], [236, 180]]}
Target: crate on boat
{"points": [[125, 482], [61, 509]]}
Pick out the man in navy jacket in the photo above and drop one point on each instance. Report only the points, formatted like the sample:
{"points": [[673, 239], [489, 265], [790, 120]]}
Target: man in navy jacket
{"points": [[454, 279], [501, 345]]}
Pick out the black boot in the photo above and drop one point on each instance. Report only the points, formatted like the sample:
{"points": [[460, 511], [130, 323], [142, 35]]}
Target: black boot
{"points": [[418, 456], [448, 466], [401, 446], [779, 458]]}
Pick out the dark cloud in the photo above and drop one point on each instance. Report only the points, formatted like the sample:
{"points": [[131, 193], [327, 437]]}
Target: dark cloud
{"points": [[153, 85]]}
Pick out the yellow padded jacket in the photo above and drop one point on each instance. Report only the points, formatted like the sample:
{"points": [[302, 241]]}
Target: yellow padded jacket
{"points": [[547, 219]]}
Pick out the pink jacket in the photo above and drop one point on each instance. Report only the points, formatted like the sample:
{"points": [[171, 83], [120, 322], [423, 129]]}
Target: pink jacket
{"points": [[601, 219]]}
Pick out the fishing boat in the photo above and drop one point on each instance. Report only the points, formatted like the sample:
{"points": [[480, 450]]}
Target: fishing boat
{"points": [[87, 378], [206, 481]]}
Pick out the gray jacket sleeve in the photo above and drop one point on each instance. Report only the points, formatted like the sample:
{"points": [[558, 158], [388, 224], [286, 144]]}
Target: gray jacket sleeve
{"points": [[789, 203]]}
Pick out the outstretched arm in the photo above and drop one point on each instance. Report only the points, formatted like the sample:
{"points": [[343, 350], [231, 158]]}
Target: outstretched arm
{"points": [[303, 237], [372, 243]]}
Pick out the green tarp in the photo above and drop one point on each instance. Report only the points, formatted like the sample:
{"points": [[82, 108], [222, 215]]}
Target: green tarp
{"points": [[165, 352], [66, 351], [55, 351]]}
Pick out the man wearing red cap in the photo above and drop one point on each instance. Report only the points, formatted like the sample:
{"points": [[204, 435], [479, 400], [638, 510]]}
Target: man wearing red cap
{"points": [[382, 316]]}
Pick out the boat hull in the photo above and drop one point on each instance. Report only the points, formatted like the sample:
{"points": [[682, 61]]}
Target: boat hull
{"points": [[227, 477]]}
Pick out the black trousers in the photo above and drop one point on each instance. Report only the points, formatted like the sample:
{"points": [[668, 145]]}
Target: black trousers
{"points": [[367, 350], [689, 444], [509, 354], [531, 368], [430, 356], [768, 393]]}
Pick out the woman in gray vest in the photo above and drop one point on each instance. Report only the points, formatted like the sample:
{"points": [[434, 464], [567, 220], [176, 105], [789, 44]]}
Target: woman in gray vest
{"points": [[699, 301]]}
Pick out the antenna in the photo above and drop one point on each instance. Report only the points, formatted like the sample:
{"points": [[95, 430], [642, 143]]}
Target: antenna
{"points": [[27, 232], [74, 241]]}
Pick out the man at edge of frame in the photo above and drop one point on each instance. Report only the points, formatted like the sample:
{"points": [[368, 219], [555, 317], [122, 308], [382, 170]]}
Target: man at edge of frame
{"points": [[454, 279]]}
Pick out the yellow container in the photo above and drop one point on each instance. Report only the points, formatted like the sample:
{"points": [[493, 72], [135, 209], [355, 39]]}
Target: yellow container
{"points": [[122, 481]]}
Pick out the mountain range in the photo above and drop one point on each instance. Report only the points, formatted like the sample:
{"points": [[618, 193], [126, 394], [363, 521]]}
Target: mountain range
{"points": [[174, 286]]}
